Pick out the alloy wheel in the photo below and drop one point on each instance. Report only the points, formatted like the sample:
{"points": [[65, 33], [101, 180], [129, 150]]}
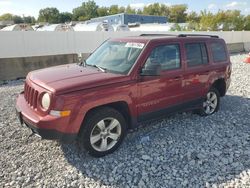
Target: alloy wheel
{"points": [[105, 134], [211, 102]]}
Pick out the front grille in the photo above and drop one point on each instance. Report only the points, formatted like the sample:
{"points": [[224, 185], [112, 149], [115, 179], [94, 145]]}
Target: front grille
{"points": [[30, 95]]}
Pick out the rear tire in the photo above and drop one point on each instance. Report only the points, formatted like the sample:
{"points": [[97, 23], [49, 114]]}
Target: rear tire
{"points": [[211, 103], [103, 131]]}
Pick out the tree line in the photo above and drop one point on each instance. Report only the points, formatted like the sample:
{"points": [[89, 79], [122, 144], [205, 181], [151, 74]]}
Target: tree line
{"points": [[222, 20], [18, 19]]}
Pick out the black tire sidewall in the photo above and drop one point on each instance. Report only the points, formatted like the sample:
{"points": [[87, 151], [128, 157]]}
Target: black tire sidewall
{"points": [[90, 123]]}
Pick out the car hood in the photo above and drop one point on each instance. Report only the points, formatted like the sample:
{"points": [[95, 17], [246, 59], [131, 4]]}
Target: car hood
{"points": [[71, 77]]}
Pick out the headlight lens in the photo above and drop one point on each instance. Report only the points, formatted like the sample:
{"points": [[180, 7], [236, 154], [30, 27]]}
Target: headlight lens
{"points": [[45, 101]]}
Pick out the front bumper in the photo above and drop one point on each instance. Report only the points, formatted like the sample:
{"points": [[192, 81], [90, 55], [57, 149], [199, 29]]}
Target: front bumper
{"points": [[47, 127]]}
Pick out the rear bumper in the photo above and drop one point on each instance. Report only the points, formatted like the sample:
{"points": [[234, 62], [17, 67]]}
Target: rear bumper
{"points": [[47, 127]]}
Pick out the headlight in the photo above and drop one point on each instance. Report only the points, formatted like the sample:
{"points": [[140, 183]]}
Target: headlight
{"points": [[45, 101]]}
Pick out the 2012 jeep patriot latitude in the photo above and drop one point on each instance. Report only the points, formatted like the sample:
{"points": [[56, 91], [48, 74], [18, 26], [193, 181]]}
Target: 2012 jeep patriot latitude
{"points": [[125, 81]]}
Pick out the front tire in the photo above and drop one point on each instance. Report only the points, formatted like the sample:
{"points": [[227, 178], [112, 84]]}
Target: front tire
{"points": [[211, 103], [103, 131]]}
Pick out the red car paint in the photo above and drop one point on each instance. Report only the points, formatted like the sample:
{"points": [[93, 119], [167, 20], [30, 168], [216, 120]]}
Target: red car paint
{"points": [[80, 89]]}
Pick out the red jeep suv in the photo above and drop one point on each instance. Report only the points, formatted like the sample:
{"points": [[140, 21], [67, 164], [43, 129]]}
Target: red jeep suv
{"points": [[125, 81]]}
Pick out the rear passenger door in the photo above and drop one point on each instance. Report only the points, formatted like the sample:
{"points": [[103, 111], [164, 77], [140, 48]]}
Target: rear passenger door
{"points": [[196, 71]]}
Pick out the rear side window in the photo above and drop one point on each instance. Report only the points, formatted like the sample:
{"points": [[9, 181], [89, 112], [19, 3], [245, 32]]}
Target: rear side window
{"points": [[196, 54], [218, 52]]}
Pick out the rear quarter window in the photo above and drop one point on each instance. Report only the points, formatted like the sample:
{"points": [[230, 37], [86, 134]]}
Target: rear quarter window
{"points": [[218, 52]]}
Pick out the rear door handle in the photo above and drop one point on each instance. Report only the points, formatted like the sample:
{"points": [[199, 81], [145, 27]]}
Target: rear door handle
{"points": [[177, 78]]}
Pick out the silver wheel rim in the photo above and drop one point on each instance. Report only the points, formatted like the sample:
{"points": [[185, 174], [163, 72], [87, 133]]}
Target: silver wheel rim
{"points": [[105, 134], [211, 103]]}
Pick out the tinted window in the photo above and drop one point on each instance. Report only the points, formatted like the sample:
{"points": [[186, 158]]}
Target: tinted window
{"points": [[168, 56], [218, 52], [196, 54]]}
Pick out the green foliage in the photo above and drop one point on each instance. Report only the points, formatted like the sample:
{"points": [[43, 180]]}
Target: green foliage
{"points": [[247, 23], [176, 27], [86, 11], [29, 20], [222, 20], [235, 20], [65, 17], [17, 19], [130, 10], [50, 15], [122, 9], [153, 9], [178, 13], [114, 9], [139, 11], [193, 20], [103, 11], [6, 17], [193, 17], [207, 21], [156, 9]]}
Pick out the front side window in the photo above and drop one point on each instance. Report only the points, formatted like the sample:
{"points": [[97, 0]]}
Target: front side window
{"points": [[116, 56], [218, 52], [196, 54], [167, 56]]}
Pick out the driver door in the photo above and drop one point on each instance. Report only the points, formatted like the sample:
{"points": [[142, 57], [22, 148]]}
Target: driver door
{"points": [[158, 94]]}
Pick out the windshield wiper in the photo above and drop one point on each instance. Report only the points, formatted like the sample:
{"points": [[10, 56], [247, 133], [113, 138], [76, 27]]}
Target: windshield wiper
{"points": [[97, 66], [100, 68]]}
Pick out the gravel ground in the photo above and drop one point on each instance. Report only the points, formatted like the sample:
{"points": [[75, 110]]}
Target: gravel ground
{"points": [[183, 150]]}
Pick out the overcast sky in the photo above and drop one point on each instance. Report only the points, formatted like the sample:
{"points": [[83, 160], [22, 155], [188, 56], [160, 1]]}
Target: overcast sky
{"points": [[32, 7]]}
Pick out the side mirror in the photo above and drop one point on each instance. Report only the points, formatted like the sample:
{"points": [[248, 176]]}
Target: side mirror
{"points": [[79, 58], [152, 69]]}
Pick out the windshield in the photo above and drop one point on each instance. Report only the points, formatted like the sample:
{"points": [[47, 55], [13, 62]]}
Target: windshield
{"points": [[116, 56]]}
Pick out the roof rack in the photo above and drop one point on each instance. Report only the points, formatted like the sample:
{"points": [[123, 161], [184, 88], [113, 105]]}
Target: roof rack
{"points": [[155, 34], [180, 35], [197, 35]]}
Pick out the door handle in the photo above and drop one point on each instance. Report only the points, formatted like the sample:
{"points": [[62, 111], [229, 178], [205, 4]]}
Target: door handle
{"points": [[177, 78]]}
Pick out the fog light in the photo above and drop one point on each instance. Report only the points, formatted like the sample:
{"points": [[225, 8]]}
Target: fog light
{"points": [[60, 113]]}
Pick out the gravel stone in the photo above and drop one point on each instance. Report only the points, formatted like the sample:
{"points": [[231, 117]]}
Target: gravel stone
{"points": [[146, 157], [181, 150]]}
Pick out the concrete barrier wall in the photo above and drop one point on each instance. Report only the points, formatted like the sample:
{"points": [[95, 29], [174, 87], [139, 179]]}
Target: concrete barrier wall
{"points": [[247, 46], [235, 47], [31, 43], [14, 68]]}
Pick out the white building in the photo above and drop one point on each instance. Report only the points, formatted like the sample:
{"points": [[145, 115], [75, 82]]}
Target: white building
{"points": [[18, 27], [56, 27], [97, 26]]}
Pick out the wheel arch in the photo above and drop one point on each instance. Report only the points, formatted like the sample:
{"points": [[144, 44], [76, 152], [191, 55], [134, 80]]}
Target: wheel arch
{"points": [[220, 85], [120, 106]]}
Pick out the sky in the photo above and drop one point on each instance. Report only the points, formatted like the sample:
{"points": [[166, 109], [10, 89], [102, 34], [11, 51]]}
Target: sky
{"points": [[32, 7]]}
